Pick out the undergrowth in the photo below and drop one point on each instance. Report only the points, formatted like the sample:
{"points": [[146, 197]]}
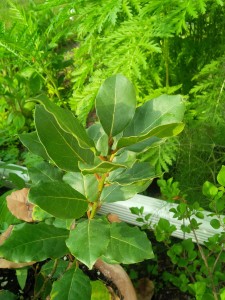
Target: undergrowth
{"points": [[161, 46]]}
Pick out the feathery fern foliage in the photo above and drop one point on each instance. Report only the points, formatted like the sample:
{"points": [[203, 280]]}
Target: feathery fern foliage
{"points": [[162, 46], [31, 62], [202, 150], [162, 155], [154, 43]]}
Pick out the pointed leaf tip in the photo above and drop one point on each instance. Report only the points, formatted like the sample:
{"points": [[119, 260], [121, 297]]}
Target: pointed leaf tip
{"points": [[94, 234], [115, 104]]}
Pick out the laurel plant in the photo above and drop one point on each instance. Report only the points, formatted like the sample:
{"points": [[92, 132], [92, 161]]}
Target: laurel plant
{"points": [[83, 169]]}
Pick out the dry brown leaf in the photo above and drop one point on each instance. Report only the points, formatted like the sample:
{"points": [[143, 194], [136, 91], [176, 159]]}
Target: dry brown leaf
{"points": [[6, 234], [118, 276], [6, 264], [145, 289], [113, 295], [113, 218], [19, 206]]}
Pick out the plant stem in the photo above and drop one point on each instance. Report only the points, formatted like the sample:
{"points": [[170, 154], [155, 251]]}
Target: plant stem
{"points": [[101, 182], [206, 263], [96, 203], [166, 58], [49, 277], [94, 210], [217, 259]]}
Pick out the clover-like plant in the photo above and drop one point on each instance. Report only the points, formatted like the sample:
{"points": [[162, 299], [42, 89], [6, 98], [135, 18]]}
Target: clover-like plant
{"points": [[82, 170]]}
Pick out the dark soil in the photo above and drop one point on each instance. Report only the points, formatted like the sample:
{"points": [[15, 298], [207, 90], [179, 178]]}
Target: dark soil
{"points": [[8, 281]]}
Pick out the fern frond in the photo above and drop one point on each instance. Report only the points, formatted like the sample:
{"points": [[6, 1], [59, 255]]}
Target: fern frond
{"points": [[171, 90], [48, 4], [17, 13], [82, 101], [210, 89], [162, 155], [174, 14], [127, 8], [137, 5], [13, 51], [2, 28]]}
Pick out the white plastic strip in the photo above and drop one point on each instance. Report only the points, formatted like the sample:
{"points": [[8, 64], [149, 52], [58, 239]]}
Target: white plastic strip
{"points": [[6, 169], [159, 209]]}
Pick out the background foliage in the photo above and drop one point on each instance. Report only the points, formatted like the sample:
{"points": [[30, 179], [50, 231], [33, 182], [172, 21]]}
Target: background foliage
{"points": [[67, 49]]}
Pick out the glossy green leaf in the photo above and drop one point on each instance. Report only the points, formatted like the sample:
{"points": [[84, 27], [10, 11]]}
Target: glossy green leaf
{"points": [[59, 199], [160, 117], [67, 121], [89, 240], [32, 142], [199, 288], [87, 185], [115, 104], [100, 138], [99, 291], [128, 244], [101, 167], [116, 192], [215, 223], [34, 242], [156, 112], [162, 131], [7, 295], [63, 223], [140, 171], [145, 145], [127, 158], [17, 181], [221, 176], [74, 284], [163, 230], [209, 189], [6, 218], [61, 146], [220, 204], [44, 172], [222, 294], [21, 275], [39, 214]]}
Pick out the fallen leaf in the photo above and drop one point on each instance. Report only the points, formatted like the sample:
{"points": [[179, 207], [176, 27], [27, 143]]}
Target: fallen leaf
{"points": [[112, 293], [145, 289], [19, 206], [118, 276]]}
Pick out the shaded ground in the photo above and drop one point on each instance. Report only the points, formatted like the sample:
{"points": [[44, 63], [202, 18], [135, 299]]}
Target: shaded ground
{"points": [[146, 276], [8, 281]]}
